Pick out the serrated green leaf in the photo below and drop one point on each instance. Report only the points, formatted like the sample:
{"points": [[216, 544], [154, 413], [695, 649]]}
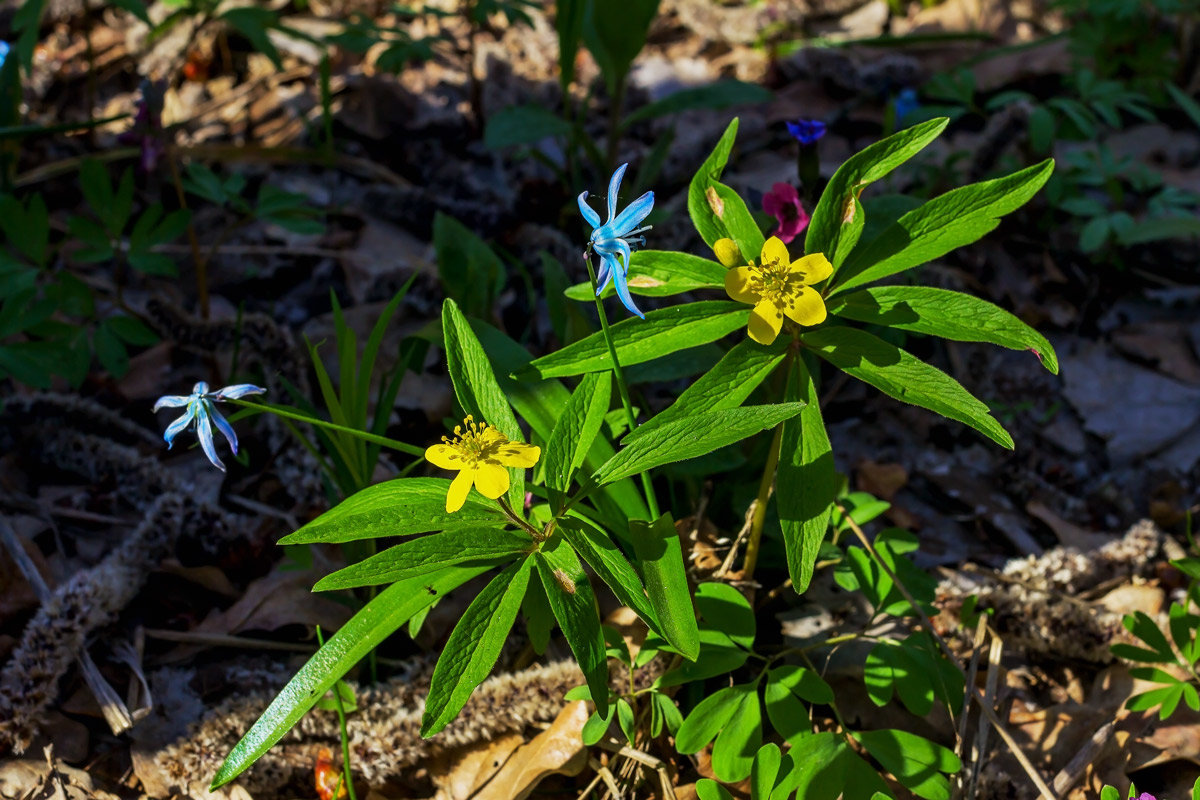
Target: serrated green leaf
{"points": [[476, 388], [577, 428], [900, 375], [473, 646], [707, 225], [806, 480], [659, 273], [690, 436], [861, 169], [397, 508], [426, 554], [570, 595], [663, 331], [739, 222], [597, 549], [373, 623], [951, 220], [660, 556], [940, 312]]}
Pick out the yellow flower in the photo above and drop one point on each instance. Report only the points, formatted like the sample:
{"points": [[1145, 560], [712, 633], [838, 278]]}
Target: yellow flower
{"points": [[480, 453], [775, 287]]}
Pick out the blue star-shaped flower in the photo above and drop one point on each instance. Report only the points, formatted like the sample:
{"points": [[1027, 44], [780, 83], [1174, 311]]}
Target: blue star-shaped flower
{"points": [[806, 131], [616, 237], [202, 412]]}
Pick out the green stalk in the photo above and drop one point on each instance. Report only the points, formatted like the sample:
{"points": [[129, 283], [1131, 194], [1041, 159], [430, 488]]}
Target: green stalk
{"points": [[279, 411], [622, 387], [341, 712], [754, 542]]}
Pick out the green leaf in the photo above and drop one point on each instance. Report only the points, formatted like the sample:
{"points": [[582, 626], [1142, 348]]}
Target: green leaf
{"points": [[865, 167], [721, 94], [1186, 102], [539, 618], [818, 769], [691, 436], [788, 715], [703, 217], [523, 125], [708, 717], [739, 223], [476, 388], [660, 556], [373, 623], [951, 220], [568, 22], [427, 554], [396, 508], [109, 349], [727, 384], [718, 656], [919, 764], [664, 331], [132, 330], [708, 789], [471, 272], [806, 481], [597, 725], [659, 273], [597, 549], [577, 428], [473, 646], [570, 595], [940, 312], [253, 22], [734, 749], [1158, 229], [802, 682], [764, 771], [625, 719], [615, 33], [899, 374], [726, 610]]}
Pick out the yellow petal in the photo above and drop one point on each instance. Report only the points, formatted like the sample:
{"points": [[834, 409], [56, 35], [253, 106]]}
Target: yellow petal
{"points": [[444, 456], [737, 285], [518, 454], [774, 250], [727, 252], [459, 488], [812, 269], [806, 306], [765, 322], [491, 479]]}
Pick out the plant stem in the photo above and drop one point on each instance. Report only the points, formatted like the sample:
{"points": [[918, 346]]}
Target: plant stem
{"points": [[341, 712], [193, 240], [516, 520], [279, 411], [614, 122], [754, 542], [622, 387]]}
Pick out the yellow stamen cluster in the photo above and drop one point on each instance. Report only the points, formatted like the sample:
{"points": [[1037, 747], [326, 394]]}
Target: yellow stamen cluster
{"points": [[480, 455]]}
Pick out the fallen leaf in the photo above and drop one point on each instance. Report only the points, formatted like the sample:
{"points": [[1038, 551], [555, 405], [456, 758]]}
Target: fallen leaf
{"points": [[472, 768], [558, 749]]}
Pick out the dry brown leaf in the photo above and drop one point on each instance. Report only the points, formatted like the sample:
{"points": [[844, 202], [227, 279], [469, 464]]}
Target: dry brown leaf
{"points": [[1068, 533], [558, 749], [474, 767], [881, 480]]}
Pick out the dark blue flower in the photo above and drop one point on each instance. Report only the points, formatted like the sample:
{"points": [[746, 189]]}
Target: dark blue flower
{"points": [[905, 103], [615, 240], [806, 131]]}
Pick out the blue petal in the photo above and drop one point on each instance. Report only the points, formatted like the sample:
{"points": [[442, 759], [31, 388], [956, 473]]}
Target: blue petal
{"points": [[614, 187], [633, 214], [623, 294], [179, 426], [204, 432], [224, 427], [608, 265], [237, 391], [589, 213], [615, 247], [171, 401]]}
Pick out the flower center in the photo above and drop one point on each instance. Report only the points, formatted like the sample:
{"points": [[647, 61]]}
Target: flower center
{"points": [[773, 281], [475, 441]]}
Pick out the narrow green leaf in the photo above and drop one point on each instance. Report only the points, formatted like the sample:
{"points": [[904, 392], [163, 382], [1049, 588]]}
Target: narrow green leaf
{"points": [[373, 623], [396, 508], [427, 554], [739, 223], [941, 312], [691, 436], [539, 618], [852, 177], [598, 550], [470, 270], [473, 646], [476, 388], [660, 556], [707, 225], [951, 220], [577, 428], [727, 385], [659, 273], [568, 22], [806, 481], [663, 331], [899, 374], [574, 606]]}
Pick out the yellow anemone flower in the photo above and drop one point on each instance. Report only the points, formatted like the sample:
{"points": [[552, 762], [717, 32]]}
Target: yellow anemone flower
{"points": [[480, 454], [775, 286]]}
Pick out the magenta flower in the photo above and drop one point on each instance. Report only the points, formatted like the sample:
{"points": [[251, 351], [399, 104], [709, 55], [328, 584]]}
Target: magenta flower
{"points": [[783, 203]]}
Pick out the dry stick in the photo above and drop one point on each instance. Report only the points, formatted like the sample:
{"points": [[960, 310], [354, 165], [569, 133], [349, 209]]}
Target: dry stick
{"points": [[633, 754], [607, 776], [989, 696], [988, 711], [1069, 775], [115, 713], [960, 782]]}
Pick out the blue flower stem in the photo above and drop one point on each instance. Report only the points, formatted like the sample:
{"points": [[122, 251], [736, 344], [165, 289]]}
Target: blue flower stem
{"points": [[808, 169], [280, 411], [622, 386]]}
